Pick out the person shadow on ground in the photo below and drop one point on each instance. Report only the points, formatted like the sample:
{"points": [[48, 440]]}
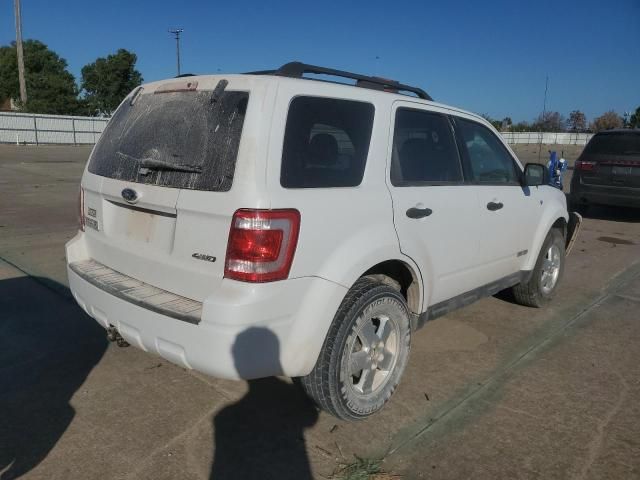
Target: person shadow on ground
{"points": [[48, 347], [262, 435]]}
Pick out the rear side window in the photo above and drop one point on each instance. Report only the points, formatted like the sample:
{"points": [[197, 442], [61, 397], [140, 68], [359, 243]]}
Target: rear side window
{"points": [[424, 149], [490, 161], [614, 144], [184, 139], [326, 143]]}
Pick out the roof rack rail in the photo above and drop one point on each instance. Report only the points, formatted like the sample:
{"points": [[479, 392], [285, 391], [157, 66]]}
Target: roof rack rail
{"points": [[298, 69]]}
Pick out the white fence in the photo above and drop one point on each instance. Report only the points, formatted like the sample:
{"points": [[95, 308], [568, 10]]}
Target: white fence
{"points": [[59, 129], [49, 129], [547, 138]]}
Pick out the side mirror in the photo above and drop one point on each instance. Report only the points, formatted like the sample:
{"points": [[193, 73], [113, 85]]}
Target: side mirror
{"points": [[535, 174]]}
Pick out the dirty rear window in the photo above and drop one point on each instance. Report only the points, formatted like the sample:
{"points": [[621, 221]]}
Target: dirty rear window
{"points": [[184, 139], [614, 144]]}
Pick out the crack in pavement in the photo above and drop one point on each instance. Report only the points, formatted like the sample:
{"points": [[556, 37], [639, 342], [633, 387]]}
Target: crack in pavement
{"points": [[596, 442]]}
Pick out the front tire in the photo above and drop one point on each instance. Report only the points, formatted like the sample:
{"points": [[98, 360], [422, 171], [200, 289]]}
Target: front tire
{"points": [[364, 353], [544, 280]]}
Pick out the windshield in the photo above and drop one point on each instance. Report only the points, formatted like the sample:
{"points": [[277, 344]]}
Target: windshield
{"points": [[614, 144], [186, 139]]}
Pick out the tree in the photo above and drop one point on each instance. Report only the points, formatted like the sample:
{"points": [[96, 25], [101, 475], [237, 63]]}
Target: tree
{"points": [[497, 124], [50, 86], [107, 81], [549, 122], [607, 121], [634, 120], [521, 127], [577, 121]]}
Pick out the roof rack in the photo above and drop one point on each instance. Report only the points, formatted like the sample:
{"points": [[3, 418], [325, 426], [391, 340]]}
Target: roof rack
{"points": [[298, 69]]}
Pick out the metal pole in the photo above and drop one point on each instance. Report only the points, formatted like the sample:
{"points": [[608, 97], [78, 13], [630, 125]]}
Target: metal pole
{"points": [[23, 85], [35, 128], [544, 114], [73, 126], [176, 32]]}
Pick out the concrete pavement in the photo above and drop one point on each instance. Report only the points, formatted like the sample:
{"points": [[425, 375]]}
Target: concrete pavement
{"points": [[493, 390]]}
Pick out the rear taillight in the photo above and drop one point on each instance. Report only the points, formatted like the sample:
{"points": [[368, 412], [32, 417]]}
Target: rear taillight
{"points": [[81, 209], [261, 245], [585, 166]]}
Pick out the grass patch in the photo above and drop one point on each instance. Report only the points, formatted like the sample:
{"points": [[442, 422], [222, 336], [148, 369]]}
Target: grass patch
{"points": [[363, 469]]}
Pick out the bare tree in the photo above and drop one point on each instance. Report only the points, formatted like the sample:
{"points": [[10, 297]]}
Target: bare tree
{"points": [[607, 121], [577, 121], [549, 122]]}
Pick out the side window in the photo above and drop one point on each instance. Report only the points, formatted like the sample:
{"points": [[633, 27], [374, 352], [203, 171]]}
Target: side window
{"points": [[490, 161], [424, 149], [326, 143]]}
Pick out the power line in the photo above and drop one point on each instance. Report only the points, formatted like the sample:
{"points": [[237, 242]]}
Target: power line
{"points": [[176, 32]]}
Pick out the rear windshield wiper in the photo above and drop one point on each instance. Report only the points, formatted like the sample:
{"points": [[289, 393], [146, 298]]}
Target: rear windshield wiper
{"points": [[153, 164]]}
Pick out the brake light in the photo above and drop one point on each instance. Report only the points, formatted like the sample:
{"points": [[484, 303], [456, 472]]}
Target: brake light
{"points": [[81, 209], [585, 166], [261, 245]]}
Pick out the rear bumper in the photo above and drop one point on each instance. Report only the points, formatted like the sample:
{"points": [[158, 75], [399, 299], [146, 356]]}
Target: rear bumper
{"points": [[605, 195], [246, 330]]}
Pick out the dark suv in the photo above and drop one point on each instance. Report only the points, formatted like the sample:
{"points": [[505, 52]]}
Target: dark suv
{"points": [[608, 170]]}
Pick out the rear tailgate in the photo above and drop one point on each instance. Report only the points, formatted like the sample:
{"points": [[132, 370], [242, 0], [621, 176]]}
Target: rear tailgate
{"points": [[616, 159], [161, 213]]}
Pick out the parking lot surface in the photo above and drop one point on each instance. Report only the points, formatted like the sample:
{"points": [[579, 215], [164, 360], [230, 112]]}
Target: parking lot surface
{"points": [[494, 390]]}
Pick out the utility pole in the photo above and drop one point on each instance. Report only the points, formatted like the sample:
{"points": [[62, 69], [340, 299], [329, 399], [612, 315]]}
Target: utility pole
{"points": [[176, 32], [544, 114], [23, 85]]}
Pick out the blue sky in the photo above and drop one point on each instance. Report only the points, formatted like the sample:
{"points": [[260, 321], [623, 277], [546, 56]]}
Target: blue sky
{"points": [[487, 57]]}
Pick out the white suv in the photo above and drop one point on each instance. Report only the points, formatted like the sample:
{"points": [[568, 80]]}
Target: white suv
{"points": [[271, 224]]}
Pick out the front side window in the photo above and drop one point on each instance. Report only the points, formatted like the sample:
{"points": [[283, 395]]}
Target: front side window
{"points": [[490, 161], [424, 149], [326, 143]]}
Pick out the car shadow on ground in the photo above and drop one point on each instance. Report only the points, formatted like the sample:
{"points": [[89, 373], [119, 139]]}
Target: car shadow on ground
{"points": [[48, 346], [262, 435]]}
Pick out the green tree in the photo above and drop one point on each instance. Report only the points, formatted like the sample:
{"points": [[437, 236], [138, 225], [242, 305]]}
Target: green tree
{"points": [[497, 124], [607, 121], [107, 81], [521, 127], [50, 86], [634, 119]]}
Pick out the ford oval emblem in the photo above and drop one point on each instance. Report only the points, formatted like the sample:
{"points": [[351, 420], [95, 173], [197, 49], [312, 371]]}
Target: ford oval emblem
{"points": [[130, 195]]}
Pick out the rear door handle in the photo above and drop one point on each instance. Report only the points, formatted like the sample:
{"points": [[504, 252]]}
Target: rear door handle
{"points": [[493, 206], [415, 212]]}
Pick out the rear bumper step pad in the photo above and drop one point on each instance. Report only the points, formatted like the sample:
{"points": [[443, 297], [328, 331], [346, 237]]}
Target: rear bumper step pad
{"points": [[137, 292]]}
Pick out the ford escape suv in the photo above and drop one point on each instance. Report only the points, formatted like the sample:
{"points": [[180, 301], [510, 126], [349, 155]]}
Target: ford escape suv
{"points": [[271, 224]]}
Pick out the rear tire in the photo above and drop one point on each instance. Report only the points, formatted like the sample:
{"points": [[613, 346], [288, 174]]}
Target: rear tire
{"points": [[546, 275], [364, 353]]}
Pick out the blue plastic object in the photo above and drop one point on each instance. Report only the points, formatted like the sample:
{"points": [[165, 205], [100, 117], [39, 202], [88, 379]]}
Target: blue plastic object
{"points": [[556, 168]]}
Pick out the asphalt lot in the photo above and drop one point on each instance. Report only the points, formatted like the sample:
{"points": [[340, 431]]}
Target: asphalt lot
{"points": [[494, 390]]}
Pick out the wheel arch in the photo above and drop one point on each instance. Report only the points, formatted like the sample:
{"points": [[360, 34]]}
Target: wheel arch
{"points": [[400, 275], [556, 218]]}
